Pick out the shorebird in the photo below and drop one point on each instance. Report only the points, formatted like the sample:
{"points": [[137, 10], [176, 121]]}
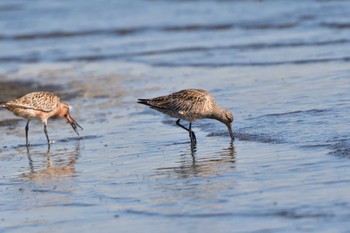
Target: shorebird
{"points": [[40, 106], [191, 105]]}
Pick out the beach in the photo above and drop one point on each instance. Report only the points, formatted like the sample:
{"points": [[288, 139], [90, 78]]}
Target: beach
{"points": [[282, 70]]}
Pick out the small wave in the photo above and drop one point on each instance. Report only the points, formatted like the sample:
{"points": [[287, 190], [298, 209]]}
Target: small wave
{"points": [[300, 112], [257, 138], [272, 63], [289, 214], [10, 7], [227, 26], [341, 149], [65, 34], [133, 30], [198, 27], [168, 64], [252, 46], [316, 146], [265, 26], [77, 204], [48, 191], [263, 138], [19, 59], [78, 138], [336, 25], [191, 49], [179, 215]]}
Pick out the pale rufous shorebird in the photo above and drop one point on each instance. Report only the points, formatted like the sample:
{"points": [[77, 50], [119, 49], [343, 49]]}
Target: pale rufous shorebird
{"points": [[191, 105], [40, 106]]}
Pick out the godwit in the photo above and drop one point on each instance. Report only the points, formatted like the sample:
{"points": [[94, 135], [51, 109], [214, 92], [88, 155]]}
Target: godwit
{"points": [[191, 105], [40, 106]]}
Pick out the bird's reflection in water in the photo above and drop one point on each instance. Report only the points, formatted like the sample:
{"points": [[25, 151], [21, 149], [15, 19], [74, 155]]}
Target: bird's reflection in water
{"points": [[199, 176], [209, 164], [48, 164], [49, 177]]}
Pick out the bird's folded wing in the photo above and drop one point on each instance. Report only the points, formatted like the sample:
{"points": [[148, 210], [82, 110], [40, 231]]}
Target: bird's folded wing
{"points": [[14, 105]]}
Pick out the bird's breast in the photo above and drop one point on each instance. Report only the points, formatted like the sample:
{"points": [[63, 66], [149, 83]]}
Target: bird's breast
{"points": [[29, 114]]}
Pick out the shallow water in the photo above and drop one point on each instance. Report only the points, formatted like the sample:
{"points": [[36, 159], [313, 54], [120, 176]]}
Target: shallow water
{"points": [[283, 71]]}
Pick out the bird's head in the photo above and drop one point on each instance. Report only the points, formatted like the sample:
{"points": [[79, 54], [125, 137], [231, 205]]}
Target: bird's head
{"points": [[64, 112], [227, 118]]}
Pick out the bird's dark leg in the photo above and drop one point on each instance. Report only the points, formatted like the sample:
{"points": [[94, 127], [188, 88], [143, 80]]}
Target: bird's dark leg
{"points": [[27, 129], [178, 123], [191, 133], [47, 136]]}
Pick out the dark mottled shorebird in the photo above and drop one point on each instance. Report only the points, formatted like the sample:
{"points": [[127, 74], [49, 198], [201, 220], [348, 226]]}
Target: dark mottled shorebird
{"points": [[191, 105], [40, 106]]}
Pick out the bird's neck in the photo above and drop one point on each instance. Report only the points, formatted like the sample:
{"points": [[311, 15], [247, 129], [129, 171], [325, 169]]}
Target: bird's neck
{"points": [[218, 114]]}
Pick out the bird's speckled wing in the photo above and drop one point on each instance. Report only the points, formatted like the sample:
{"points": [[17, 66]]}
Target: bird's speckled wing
{"points": [[187, 104], [42, 101]]}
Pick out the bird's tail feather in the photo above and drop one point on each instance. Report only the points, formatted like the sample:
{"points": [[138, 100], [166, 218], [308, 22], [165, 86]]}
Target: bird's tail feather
{"points": [[2, 104]]}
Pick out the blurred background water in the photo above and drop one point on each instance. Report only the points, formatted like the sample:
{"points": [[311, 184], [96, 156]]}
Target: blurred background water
{"points": [[281, 67]]}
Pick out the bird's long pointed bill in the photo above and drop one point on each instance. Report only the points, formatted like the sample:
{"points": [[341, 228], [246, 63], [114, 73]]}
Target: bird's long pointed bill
{"points": [[73, 123], [229, 127]]}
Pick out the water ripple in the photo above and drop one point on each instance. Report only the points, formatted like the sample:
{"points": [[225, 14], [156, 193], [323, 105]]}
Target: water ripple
{"points": [[300, 112], [270, 63], [336, 25], [132, 30], [289, 214]]}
